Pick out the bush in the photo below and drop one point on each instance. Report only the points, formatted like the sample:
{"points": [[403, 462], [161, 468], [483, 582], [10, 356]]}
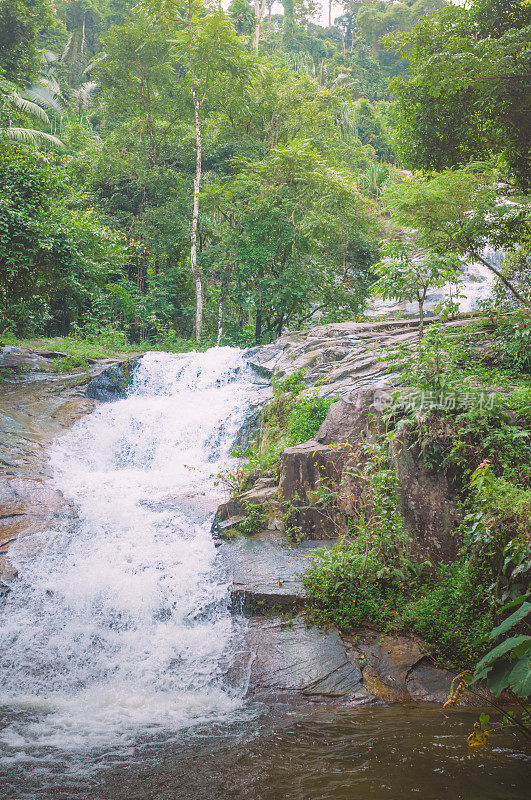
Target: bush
{"points": [[454, 613], [305, 416], [254, 521]]}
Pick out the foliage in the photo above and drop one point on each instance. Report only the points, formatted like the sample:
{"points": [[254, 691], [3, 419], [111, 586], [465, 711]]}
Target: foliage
{"points": [[53, 256], [507, 666], [254, 520], [465, 96], [406, 275], [305, 416], [461, 211]]}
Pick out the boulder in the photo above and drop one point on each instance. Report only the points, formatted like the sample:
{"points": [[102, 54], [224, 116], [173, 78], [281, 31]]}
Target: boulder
{"points": [[291, 661], [238, 506], [349, 418], [428, 505], [27, 507], [304, 467], [266, 571], [388, 661], [24, 359], [112, 382]]}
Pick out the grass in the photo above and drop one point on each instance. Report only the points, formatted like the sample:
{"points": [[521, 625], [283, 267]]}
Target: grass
{"points": [[104, 346]]}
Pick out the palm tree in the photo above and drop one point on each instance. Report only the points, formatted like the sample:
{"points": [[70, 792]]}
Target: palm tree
{"points": [[11, 100]]}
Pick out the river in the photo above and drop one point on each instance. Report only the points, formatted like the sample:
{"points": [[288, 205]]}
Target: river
{"points": [[117, 637]]}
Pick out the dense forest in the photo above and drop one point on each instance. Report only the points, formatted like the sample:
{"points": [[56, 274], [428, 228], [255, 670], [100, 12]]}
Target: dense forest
{"points": [[175, 171]]}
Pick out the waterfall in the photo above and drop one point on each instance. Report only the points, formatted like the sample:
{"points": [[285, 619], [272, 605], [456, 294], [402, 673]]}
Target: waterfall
{"points": [[121, 620]]}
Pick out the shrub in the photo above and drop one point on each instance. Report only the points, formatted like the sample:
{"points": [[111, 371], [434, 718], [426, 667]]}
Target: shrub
{"points": [[254, 520], [305, 416]]}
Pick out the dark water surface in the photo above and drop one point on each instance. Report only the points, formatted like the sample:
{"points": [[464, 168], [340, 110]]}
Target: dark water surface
{"points": [[321, 754]]}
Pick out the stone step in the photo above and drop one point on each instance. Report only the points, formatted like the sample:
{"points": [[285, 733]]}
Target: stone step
{"points": [[266, 571]]}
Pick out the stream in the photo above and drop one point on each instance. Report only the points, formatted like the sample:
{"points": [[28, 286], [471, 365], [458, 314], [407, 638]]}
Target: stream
{"points": [[117, 637]]}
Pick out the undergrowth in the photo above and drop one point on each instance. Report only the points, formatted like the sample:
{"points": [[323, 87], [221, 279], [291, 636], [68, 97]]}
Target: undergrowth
{"points": [[375, 574]]}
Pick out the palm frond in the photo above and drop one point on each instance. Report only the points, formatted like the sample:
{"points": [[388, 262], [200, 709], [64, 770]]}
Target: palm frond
{"points": [[26, 106], [83, 93], [30, 135], [45, 93], [92, 64]]}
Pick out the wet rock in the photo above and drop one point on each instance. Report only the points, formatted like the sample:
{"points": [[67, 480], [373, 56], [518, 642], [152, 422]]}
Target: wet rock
{"points": [[27, 507], [290, 660], [430, 684], [266, 571], [239, 505], [247, 430], [113, 381], [24, 359], [389, 660]]}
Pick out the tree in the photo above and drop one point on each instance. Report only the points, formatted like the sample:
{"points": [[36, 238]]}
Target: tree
{"points": [[20, 22], [404, 274], [296, 240], [53, 259], [461, 211], [208, 49], [259, 11], [243, 16], [467, 94], [15, 107]]}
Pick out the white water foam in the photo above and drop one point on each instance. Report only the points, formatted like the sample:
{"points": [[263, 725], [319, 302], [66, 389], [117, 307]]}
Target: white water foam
{"points": [[122, 621]]}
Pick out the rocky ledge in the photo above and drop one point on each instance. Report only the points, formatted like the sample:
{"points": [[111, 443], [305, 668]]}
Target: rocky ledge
{"points": [[290, 660]]}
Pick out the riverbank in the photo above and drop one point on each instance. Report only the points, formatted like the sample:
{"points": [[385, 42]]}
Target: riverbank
{"points": [[422, 493]]}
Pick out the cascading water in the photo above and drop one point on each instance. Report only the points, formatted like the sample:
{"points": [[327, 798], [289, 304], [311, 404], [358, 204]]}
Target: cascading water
{"points": [[121, 620]]}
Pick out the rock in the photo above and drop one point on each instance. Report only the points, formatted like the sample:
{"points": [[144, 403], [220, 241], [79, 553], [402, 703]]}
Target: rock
{"points": [[340, 357], [27, 507], [24, 359], [389, 660], [266, 571], [247, 430], [429, 684], [112, 382], [312, 522], [238, 506], [428, 505], [292, 661], [303, 468], [348, 419]]}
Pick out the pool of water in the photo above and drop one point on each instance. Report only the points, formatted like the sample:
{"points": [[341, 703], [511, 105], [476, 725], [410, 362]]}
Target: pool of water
{"points": [[381, 753]]}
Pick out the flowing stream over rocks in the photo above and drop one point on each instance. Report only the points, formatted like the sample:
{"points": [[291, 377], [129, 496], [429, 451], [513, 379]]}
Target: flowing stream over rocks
{"points": [[121, 619], [118, 647]]}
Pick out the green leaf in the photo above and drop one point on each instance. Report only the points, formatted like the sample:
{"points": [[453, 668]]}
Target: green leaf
{"points": [[498, 679], [512, 620], [519, 679], [502, 649], [516, 601]]}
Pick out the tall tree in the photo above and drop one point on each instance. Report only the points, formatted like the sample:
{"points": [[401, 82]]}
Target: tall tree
{"points": [[259, 10], [208, 49]]}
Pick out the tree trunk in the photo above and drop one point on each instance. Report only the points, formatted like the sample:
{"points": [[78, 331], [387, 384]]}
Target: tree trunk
{"points": [[500, 276], [421, 298], [421, 318], [259, 11], [258, 326], [195, 217]]}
